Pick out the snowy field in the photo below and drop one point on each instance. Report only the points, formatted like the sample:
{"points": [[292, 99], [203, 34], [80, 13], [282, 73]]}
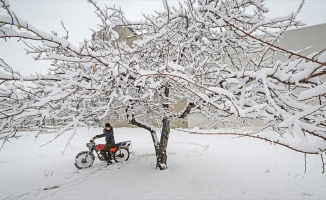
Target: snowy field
{"points": [[200, 167]]}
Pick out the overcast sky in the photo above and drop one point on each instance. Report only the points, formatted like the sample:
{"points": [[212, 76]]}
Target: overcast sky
{"points": [[78, 17]]}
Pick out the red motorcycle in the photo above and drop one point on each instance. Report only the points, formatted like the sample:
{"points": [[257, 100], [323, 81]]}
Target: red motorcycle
{"points": [[85, 159]]}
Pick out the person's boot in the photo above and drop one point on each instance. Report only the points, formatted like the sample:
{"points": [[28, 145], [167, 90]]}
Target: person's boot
{"points": [[109, 158], [109, 162]]}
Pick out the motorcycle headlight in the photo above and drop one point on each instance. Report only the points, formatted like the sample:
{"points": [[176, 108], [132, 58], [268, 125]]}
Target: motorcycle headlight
{"points": [[89, 145]]}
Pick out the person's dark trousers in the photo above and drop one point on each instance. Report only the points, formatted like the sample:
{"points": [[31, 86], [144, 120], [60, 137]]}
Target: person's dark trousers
{"points": [[106, 151]]}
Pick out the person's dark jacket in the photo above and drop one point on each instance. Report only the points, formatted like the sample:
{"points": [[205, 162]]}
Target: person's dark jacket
{"points": [[109, 137]]}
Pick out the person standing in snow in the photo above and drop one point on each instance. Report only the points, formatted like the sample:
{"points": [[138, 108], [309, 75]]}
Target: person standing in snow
{"points": [[109, 139]]}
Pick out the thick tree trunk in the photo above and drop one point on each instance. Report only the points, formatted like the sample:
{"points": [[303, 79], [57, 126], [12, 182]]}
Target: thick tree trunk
{"points": [[161, 156]]}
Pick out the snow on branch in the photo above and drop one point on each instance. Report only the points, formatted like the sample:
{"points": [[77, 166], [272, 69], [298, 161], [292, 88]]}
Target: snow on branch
{"points": [[315, 147]]}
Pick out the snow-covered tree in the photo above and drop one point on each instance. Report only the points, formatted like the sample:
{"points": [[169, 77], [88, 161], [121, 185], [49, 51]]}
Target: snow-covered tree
{"points": [[219, 57]]}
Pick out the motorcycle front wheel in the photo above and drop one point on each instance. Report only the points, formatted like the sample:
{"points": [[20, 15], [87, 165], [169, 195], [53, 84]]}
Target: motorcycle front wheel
{"points": [[121, 154], [84, 159]]}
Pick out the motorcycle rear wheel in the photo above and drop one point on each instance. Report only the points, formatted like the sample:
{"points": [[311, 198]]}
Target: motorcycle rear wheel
{"points": [[84, 159], [121, 155]]}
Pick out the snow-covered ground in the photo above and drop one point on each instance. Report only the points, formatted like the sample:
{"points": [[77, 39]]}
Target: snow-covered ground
{"points": [[200, 167]]}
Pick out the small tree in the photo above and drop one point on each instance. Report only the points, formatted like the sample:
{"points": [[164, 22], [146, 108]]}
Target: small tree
{"points": [[214, 55]]}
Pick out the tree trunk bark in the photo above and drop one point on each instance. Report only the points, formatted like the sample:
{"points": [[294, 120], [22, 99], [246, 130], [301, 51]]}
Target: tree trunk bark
{"points": [[161, 156]]}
